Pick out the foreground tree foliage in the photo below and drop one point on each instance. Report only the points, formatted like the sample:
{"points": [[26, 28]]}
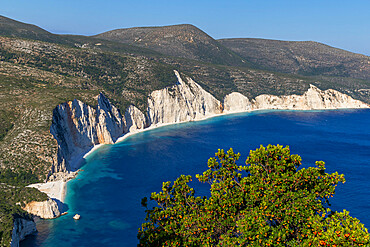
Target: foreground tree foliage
{"points": [[269, 202]]}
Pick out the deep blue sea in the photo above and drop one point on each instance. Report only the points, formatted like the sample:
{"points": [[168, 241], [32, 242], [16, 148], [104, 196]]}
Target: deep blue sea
{"points": [[107, 194]]}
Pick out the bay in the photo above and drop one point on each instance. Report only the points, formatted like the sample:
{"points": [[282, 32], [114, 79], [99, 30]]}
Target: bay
{"points": [[108, 192]]}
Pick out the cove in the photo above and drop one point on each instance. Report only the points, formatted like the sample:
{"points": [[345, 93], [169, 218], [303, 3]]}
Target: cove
{"points": [[108, 192]]}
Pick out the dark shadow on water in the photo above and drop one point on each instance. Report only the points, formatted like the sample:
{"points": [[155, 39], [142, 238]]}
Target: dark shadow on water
{"points": [[63, 207]]}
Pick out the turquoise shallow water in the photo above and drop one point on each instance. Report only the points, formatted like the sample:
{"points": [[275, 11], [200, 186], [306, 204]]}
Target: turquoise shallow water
{"points": [[108, 192]]}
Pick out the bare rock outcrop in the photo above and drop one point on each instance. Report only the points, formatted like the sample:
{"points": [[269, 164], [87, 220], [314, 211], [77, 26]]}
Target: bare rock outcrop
{"points": [[313, 99], [77, 127], [135, 119], [185, 101], [47, 209], [21, 229], [236, 102]]}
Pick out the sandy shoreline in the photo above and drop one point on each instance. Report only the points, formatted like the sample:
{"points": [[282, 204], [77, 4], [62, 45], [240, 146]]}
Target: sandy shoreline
{"points": [[55, 190]]}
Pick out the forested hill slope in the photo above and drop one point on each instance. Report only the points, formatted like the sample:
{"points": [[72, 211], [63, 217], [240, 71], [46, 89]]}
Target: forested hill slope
{"points": [[301, 57]]}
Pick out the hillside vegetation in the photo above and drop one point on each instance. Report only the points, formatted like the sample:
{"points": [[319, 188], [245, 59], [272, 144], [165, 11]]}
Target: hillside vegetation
{"points": [[269, 201], [301, 57], [39, 70], [185, 41]]}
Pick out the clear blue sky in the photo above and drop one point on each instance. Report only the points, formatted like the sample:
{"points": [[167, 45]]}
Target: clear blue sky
{"points": [[340, 23]]}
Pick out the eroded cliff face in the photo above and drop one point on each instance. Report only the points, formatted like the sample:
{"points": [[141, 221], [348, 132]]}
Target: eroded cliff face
{"points": [[21, 229], [135, 120], [236, 102], [47, 209], [77, 127], [313, 99], [185, 101]]}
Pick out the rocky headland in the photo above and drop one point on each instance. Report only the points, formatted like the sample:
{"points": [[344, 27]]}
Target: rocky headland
{"points": [[78, 127]]}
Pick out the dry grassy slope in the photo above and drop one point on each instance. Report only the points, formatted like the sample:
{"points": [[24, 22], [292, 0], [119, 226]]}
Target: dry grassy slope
{"points": [[16, 29], [12, 28], [304, 58], [185, 41], [29, 145], [129, 79], [36, 76]]}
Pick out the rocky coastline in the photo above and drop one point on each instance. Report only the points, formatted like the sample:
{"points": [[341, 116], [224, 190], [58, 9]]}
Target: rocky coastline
{"points": [[79, 128]]}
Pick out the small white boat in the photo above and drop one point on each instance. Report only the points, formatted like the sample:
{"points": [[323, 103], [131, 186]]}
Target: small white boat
{"points": [[77, 217]]}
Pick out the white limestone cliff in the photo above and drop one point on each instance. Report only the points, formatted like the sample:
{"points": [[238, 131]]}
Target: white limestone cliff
{"points": [[134, 119], [21, 229], [313, 99], [77, 127], [236, 102], [48, 209], [185, 101]]}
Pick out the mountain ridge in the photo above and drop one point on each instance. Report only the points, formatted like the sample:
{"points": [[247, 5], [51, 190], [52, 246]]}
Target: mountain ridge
{"points": [[308, 58]]}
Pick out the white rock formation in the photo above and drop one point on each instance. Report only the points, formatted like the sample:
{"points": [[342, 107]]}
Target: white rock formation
{"points": [[77, 217], [135, 119], [236, 102], [313, 99], [47, 209], [110, 124], [185, 101], [21, 229], [77, 127]]}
